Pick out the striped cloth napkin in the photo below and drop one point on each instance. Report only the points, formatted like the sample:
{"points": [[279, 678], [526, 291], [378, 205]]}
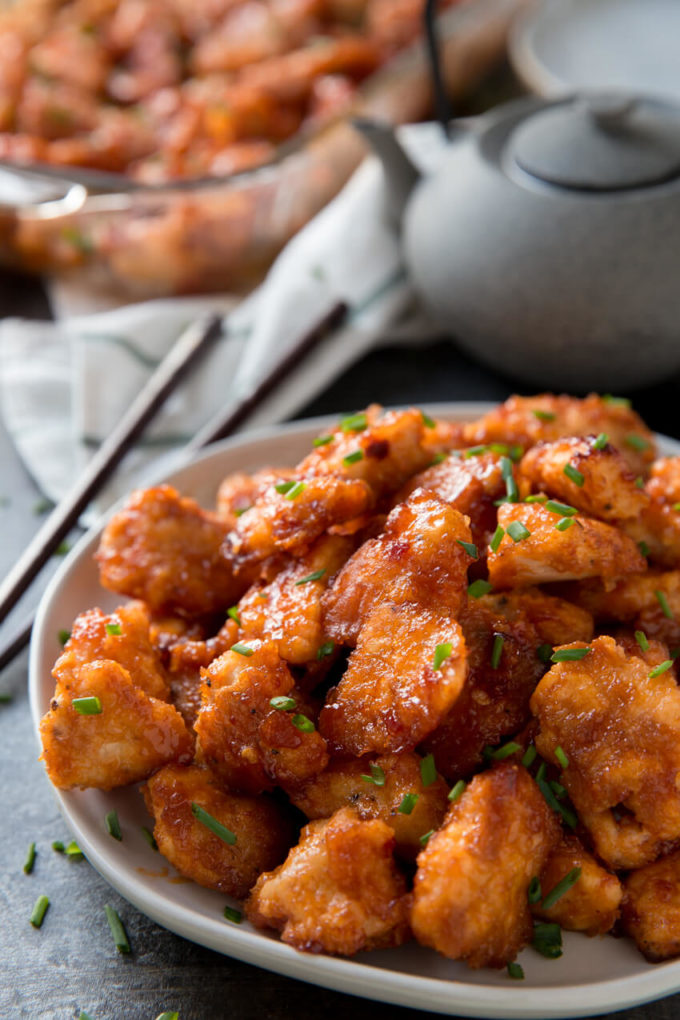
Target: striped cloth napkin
{"points": [[63, 384]]}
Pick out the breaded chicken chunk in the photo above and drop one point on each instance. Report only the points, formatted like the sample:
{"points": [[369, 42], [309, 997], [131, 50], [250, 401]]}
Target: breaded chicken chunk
{"points": [[262, 831], [658, 526], [405, 674], [249, 743], [629, 597], [618, 723], [417, 559], [651, 908], [187, 658], [389, 787], [586, 548], [238, 492], [131, 736], [592, 903], [163, 548], [470, 890], [339, 891], [556, 621], [122, 636]]}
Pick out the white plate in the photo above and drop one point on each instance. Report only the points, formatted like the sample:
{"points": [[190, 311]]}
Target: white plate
{"points": [[565, 45], [593, 976]]}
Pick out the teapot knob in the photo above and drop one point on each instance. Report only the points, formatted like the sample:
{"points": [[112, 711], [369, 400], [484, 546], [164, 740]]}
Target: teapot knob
{"points": [[609, 108]]}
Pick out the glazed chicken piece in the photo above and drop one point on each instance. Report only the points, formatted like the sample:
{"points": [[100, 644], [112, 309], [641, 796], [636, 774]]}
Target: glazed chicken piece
{"points": [[649, 602], [288, 610], [263, 833], [528, 420], [238, 492], [664, 480], [127, 740], [417, 559], [249, 743], [163, 548], [592, 903], [389, 787], [339, 890], [651, 908], [586, 548], [470, 890], [122, 636], [557, 621], [405, 674], [618, 723], [187, 659], [651, 651]]}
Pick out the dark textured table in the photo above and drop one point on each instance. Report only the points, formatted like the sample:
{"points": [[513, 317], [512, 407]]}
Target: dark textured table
{"points": [[71, 964]]}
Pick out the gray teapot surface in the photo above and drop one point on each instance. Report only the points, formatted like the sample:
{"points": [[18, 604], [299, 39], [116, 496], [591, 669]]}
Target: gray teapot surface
{"points": [[548, 240]]}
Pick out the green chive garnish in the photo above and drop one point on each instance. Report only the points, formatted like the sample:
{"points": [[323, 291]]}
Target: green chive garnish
{"points": [[515, 970], [302, 723], [377, 776], [639, 482], [512, 492], [497, 539], [352, 458], [561, 757], [58, 846], [497, 650], [544, 415], [557, 788], [563, 509], [5, 697], [233, 915], [475, 451], [322, 440], [408, 803], [635, 442], [456, 791], [62, 549], [441, 653], [547, 940], [354, 423], [314, 576], [172, 1015], [569, 654], [552, 801], [84, 1016], [573, 475], [113, 628], [641, 639], [283, 487], [428, 422], [241, 649], [563, 886], [537, 498], [470, 547], [149, 837], [282, 703], [232, 612], [87, 706], [529, 756], [501, 753], [203, 816], [424, 839], [517, 531], [607, 398], [643, 547], [661, 668], [42, 506], [601, 441], [327, 648], [428, 770], [564, 523], [663, 602], [113, 825], [544, 652], [675, 653], [120, 938], [295, 490], [30, 859], [479, 588], [73, 851], [240, 513], [439, 458], [534, 891], [676, 507], [39, 911]]}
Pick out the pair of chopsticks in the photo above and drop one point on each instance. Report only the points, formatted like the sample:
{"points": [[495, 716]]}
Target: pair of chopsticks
{"points": [[191, 345]]}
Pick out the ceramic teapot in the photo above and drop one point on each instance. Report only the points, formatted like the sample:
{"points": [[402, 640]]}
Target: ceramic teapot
{"points": [[548, 240]]}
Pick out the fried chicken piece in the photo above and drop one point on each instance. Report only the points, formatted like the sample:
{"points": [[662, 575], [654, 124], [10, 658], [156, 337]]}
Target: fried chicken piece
{"points": [[187, 659], [263, 832], [376, 787], [619, 728], [391, 696], [251, 745], [122, 636], [470, 890], [238, 492], [132, 736], [651, 908], [163, 548], [418, 559], [656, 652], [605, 489], [587, 548], [664, 480], [339, 890], [288, 610], [557, 621], [493, 703], [526, 421], [649, 602], [658, 526], [592, 904]]}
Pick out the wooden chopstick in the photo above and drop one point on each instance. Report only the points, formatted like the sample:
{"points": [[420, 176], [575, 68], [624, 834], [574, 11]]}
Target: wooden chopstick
{"points": [[222, 425]]}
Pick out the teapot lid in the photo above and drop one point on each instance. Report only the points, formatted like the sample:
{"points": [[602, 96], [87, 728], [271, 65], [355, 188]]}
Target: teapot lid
{"points": [[601, 141]]}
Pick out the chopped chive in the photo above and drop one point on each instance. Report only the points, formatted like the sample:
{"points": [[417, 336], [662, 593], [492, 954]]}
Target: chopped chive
{"points": [[512, 492], [425, 838], [283, 487], [497, 650], [173, 1015], [607, 398], [43, 506], [661, 668], [573, 474], [561, 757], [564, 509], [552, 801], [302, 723], [639, 482], [601, 441], [547, 940], [537, 498], [113, 825], [479, 588], [643, 547], [120, 938], [295, 490], [263, 595], [205, 818], [408, 803], [564, 523], [676, 507], [5, 697], [241, 511], [456, 791], [354, 423], [475, 451], [30, 859], [529, 756], [62, 549], [675, 653], [113, 628], [517, 531], [497, 539], [516, 452], [438, 458], [534, 891], [428, 422], [377, 776], [441, 653], [352, 458], [233, 915], [663, 602], [515, 971], [84, 1016], [63, 636], [242, 649], [428, 770], [544, 652], [635, 442], [282, 703], [39, 911], [544, 415], [327, 648], [569, 654], [501, 753], [470, 547], [557, 788], [232, 612], [562, 887], [149, 837], [87, 706], [314, 576], [641, 639], [58, 846], [323, 440], [73, 851]]}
